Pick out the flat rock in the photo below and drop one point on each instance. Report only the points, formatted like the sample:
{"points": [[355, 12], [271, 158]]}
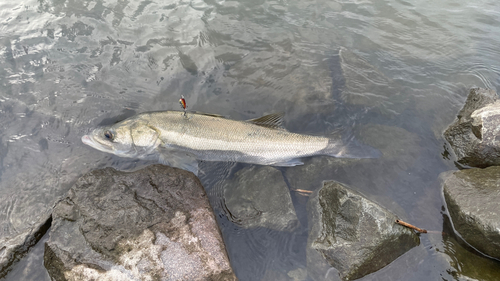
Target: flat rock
{"points": [[151, 224], [351, 236], [474, 136], [258, 196], [472, 198]]}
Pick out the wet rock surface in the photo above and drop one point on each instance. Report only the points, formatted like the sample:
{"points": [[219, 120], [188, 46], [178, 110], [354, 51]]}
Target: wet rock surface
{"points": [[472, 198], [352, 234], [152, 224], [12, 249], [258, 196], [474, 135]]}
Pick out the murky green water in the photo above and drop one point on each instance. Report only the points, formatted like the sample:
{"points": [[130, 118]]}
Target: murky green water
{"points": [[394, 72]]}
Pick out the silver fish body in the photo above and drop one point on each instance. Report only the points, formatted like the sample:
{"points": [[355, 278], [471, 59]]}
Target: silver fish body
{"points": [[180, 139]]}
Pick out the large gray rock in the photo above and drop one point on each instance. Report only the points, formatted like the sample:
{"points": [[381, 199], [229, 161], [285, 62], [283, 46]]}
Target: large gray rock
{"points": [[259, 197], [152, 224], [474, 136], [352, 234], [472, 198]]}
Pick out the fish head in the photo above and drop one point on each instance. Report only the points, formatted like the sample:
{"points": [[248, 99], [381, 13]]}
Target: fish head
{"points": [[129, 138]]}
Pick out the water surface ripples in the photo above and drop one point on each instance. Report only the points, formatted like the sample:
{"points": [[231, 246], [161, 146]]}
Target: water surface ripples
{"points": [[397, 67]]}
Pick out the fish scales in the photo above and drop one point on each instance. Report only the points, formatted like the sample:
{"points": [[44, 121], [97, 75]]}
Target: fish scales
{"points": [[180, 139], [204, 132]]}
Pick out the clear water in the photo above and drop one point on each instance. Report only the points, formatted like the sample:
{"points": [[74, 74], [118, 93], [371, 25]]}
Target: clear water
{"points": [[396, 72]]}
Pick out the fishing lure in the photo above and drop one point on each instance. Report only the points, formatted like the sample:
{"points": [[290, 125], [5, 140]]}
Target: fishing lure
{"points": [[182, 101]]}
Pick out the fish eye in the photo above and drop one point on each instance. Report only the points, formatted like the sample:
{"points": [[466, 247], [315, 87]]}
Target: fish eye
{"points": [[109, 135]]}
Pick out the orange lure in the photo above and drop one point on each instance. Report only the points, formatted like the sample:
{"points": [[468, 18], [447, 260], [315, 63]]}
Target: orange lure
{"points": [[182, 101]]}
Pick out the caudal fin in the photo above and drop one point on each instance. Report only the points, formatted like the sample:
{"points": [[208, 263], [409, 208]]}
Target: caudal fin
{"points": [[350, 148]]}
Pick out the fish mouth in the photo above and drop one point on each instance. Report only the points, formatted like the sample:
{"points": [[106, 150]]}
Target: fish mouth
{"points": [[90, 141]]}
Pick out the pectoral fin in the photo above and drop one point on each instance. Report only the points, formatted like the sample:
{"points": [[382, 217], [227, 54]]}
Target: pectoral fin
{"points": [[179, 159]]}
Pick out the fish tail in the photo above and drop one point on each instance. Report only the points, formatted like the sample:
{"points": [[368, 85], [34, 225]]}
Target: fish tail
{"points": [[350, 148]]}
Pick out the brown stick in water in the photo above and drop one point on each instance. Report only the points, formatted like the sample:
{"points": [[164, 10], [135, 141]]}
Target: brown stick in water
{"points": [[411, 226]]}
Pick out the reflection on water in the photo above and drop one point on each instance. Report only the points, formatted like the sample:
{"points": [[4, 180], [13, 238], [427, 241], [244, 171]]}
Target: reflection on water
{"points": [[393, 72]]}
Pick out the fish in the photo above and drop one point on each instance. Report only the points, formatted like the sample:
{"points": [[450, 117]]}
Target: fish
{"points": [[181, 139]]}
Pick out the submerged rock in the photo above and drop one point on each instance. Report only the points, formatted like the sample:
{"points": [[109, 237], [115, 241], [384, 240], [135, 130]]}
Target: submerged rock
{"points": [[259, 197], [152, 224], [474, 136], [472, 198], [352, 234], [12, 249]]}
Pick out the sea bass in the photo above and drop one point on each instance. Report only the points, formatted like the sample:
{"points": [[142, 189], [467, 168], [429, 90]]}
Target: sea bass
{"points": [[180, 139]]}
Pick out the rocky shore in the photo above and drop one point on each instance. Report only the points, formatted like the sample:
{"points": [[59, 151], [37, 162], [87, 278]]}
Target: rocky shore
{"points": [[474, 136], [472, 195], [156, 223], [351, 234], [472, 198], [152, 224]]}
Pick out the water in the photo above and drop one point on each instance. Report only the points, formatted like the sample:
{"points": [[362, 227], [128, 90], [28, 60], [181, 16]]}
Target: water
{"points": [[394, 72]]}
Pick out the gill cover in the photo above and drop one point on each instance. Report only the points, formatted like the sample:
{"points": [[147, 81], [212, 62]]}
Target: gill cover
{"points": [[145, 138]]}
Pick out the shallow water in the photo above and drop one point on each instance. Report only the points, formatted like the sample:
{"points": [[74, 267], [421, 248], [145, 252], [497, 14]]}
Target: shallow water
{"points": [[393, 72]]}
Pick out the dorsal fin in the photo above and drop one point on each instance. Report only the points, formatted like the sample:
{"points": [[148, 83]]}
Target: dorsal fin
{"points": [[273, 121]]}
